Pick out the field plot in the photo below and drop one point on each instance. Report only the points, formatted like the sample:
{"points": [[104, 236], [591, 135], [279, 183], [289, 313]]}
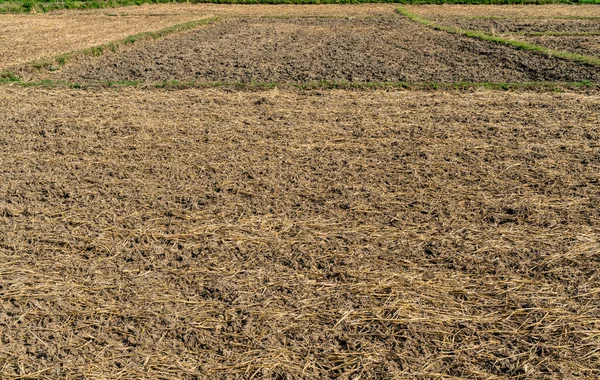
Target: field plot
{"points": [[312, 49], [223, 232], [27, 37], [260, 10], [574, 29], [21, 41], [520, 25], [589, 45], [509, 11], [160, 234]]}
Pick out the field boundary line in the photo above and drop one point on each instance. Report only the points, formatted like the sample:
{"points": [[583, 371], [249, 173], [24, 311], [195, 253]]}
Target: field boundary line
{"points": [[586, 59], [557, 34], [29, 6], [320, 85], [53, 63], [505, 17]]}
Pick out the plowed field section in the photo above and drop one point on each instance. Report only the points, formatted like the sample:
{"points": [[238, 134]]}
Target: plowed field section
{"points": [[589, 45], [516, 25], [511, 11], [292, 50], [206, 234]]}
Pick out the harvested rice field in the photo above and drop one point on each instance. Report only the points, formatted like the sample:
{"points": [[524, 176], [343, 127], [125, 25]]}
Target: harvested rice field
{"points": [[262, 10], [65, 31], [201, 206], [569, 28], [549, 11], [21, 41], [196, 232], [573, 35]]}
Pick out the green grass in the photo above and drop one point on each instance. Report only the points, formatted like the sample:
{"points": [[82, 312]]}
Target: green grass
{"points": [[26, 6], [513, 17], [56, 62], [319, 85], [559, 34], [589, 60]]}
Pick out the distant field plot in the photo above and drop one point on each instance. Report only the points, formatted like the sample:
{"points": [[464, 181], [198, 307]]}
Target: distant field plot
{"points": [[324, 234], [589, 45], [28, 37], [308, 49], [259, 10], [569, 28], [521, 25], [25, 37], [520, 11]]}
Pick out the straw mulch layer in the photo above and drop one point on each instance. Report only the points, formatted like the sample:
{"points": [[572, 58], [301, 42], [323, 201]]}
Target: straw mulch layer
{"points": [[520, 11], [259, 10], [28, 37], [211, 234], [308, 49]]}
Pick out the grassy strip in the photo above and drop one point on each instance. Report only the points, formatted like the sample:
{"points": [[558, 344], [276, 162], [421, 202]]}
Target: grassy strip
{"points": [[53, 63], [318, 85], [558, 34], [26, 6], [589, 60], [506, 17]]}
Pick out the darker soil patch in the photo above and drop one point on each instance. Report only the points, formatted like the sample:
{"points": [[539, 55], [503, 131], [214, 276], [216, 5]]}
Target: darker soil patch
{"points": [[588, 45], [508, 25], [296, 50]]}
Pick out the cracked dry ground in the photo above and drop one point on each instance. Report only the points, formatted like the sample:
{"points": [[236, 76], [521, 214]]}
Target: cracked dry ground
{"points": [[323, 234]]}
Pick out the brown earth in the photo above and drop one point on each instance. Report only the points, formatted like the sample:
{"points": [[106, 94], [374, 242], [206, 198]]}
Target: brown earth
{"points": [[535, 11], [504, 25], [253, 10], [588, 45], [308, 49], [21, 35], [333, 234]]}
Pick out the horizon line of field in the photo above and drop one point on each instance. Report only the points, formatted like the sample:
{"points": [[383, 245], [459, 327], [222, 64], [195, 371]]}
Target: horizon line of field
{"points": [[30, 6]]}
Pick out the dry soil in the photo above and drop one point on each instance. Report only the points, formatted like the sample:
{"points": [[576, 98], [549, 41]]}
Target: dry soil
{"points": [[588, 45], [515, 25], [217, 234], [312, 49], [520, 11]]}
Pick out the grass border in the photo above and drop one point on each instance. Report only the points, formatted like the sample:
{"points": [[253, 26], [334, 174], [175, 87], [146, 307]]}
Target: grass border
{"points": [[557, 34], [585, 59], [43, 6], [319, 85], [57, 61]]}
